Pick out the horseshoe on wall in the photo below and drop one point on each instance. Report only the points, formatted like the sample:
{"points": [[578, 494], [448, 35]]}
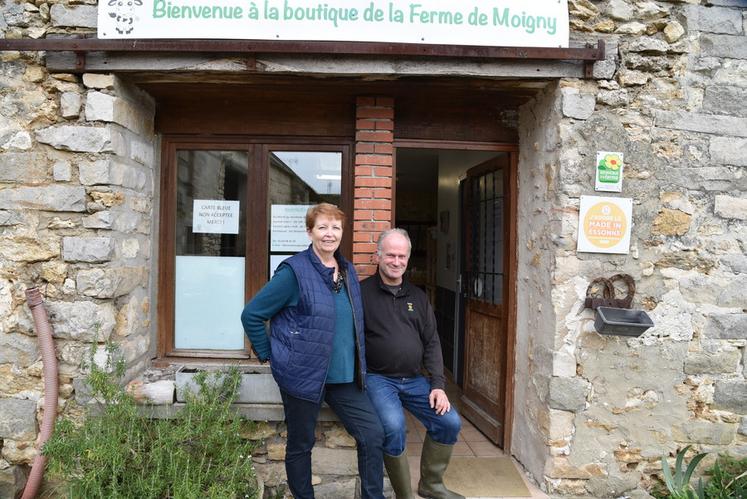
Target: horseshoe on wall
{"points": [[605, 286]]}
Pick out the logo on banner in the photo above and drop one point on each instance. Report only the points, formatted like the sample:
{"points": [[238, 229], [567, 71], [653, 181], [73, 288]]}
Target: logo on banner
{"points": [[123, 12]]}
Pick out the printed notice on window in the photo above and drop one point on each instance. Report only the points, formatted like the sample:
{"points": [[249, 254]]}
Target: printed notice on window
{"points": [[215, 216], [275, 261], [288, 227], [604, 225]]}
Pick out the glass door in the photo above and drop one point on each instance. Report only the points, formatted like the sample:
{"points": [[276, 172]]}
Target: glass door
{"points": [[484, 253]]}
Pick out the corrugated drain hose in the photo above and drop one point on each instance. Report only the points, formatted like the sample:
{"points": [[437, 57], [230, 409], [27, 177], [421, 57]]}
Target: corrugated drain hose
{"points": [[49, 359]]}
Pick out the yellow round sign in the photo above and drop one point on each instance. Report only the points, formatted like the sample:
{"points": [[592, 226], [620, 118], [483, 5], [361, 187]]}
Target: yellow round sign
{"points": [[604, 225]]}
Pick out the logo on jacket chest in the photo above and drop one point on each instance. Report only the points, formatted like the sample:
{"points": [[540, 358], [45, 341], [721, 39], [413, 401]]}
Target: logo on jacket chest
{"points": [[410, 308]]}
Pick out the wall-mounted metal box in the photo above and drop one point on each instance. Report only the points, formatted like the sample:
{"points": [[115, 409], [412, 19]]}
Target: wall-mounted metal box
{"points": [[621, 321]]}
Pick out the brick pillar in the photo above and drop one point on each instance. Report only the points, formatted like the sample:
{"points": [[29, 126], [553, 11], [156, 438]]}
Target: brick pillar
{"points": [[372, 206]]}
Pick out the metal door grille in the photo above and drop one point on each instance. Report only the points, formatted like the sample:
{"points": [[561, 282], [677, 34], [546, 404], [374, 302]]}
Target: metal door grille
{"points": [[486, 238]]}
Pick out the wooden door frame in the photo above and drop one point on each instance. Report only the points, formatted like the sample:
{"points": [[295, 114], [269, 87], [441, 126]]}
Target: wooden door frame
{"points": [[256, 148], [512, 207]]}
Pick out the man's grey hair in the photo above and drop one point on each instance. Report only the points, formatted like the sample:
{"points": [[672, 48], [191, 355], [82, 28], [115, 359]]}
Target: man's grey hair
{"points": [[388, 233]]}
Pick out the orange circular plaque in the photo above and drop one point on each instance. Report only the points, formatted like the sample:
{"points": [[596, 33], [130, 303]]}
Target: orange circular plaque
{"points": [[604, 225]]}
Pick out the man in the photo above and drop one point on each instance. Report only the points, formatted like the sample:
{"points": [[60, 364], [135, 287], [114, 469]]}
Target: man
{"points": [[401, 342]]}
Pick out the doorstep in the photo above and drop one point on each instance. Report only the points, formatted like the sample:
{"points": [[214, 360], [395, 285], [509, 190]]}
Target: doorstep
{"points": [[471, 443]]}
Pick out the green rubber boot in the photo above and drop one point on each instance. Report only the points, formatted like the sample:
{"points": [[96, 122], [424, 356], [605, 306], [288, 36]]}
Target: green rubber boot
{"points": [[433, 462], [398, 470]]}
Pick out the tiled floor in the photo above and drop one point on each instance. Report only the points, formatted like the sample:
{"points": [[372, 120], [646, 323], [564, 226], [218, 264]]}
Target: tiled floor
{"points": [[472, 443]]}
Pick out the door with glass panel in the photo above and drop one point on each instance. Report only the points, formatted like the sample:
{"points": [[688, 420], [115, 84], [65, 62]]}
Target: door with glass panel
{"points": [[230, 214], [484, 288]]}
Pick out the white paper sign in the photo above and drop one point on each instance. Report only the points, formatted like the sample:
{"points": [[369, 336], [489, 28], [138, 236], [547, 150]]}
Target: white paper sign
{"points": [[507, 23], [215, 216], [276, 260], [604, 224], [609, 171], [288, 227]]}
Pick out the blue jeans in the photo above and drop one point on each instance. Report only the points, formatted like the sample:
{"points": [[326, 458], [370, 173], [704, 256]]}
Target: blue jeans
{"points": [[354, 410], [389, 395]]}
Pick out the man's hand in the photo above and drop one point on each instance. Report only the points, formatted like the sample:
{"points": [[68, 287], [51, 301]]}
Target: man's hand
{"points": [[439, 401]]}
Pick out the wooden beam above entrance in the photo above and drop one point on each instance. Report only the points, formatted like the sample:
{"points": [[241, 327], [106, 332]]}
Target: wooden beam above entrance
{"points": [[427, 109], [589, 53], [81, 49]]}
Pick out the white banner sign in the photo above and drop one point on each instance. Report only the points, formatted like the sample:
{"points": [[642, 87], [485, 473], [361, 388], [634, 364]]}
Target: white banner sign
{"points": [[604, 224], [211, 216], [288, 227], [508, 23]]}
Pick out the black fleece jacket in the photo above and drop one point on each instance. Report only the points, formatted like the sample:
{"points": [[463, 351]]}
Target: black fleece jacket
{"points": [[401, 336]]}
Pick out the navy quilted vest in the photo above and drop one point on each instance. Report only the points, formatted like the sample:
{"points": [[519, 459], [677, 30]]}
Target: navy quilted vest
{"points": [[302, 335]]}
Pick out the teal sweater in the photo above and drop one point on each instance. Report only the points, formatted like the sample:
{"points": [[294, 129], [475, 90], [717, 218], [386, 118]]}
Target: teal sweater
{"points": [[281, 292]]}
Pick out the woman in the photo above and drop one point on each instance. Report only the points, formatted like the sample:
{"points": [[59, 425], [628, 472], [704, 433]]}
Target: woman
{"points": [[316, 350]]}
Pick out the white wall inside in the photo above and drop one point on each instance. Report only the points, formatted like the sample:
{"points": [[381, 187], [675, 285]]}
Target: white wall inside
{"points": [[452, 166]]}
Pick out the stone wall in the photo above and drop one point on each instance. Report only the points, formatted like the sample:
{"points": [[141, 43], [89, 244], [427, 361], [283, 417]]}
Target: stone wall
{"points": [[334, 460], [538, 227], [77, 158], [595, 413]]}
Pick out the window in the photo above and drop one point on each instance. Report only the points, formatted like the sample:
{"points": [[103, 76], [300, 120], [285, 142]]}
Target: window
{"points": [[210, 249], [230, 213], [298, 180]]}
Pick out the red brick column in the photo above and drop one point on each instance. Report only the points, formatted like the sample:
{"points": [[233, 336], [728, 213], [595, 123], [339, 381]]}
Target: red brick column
{"points": [[372, 205]]}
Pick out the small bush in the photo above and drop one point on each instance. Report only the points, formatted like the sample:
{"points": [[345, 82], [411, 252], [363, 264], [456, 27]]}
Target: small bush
{"points": [[117, 453], [728, 478]]}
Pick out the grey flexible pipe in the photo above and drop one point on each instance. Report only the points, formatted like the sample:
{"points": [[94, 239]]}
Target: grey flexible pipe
{"points": [[49, 359]]}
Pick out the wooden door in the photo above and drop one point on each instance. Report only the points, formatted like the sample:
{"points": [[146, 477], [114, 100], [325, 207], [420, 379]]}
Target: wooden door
{"points": [[485, 264]]}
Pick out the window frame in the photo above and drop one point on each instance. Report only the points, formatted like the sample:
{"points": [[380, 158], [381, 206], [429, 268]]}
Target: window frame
{"points": [[257, 242]]}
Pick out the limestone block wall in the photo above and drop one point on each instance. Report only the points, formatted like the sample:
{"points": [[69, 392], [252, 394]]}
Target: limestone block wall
{"points": [[77, 160], [334, 460], [595, 413], [539, 225]]}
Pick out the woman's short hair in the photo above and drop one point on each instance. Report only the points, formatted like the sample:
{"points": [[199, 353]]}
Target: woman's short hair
{"points": [[323, 210]]}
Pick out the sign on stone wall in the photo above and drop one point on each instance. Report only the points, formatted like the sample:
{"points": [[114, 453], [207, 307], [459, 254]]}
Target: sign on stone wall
{"points": [[510, 23], [604, 225], [609, 171]]}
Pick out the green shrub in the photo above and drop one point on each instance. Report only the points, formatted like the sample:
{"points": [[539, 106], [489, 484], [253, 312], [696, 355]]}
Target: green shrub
{"points": [[728, 478], [117, 453], [678, 482]]}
